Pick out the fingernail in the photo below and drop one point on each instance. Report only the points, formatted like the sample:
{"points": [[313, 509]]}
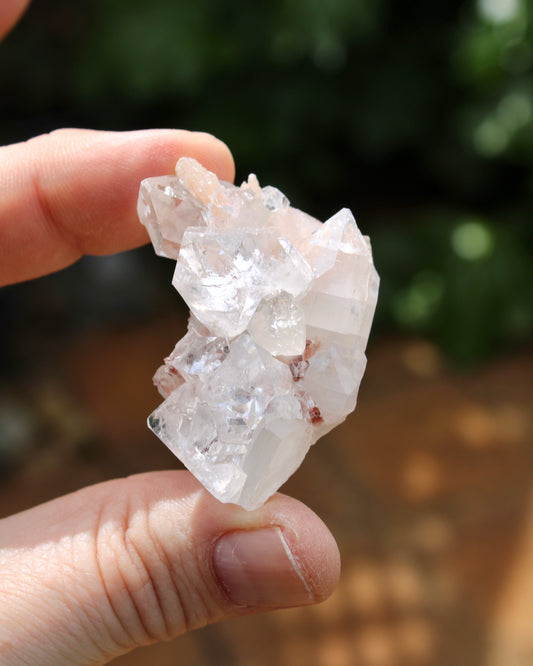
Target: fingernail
{"points": [[257, 568]]}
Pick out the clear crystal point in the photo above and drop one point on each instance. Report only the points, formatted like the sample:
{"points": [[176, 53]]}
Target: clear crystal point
{"points": [[157, 206], [281, 309]]}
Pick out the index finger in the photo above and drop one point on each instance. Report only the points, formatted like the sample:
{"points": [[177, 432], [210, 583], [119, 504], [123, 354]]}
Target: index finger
{"points": [[10, 12], [74, 192]]}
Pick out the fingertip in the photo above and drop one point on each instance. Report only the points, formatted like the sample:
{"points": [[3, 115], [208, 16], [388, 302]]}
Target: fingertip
{"points": [[219, 158], [162, 148]]}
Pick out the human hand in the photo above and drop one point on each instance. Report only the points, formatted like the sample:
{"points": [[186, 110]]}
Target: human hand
{"points": [[94, 574]]}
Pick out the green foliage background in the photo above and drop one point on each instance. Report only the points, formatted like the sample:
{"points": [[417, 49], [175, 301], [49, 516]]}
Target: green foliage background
{"points": [[418, 116]]}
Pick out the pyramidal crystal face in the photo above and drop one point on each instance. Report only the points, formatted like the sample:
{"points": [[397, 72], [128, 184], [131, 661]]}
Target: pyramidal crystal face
{"points": [[281, 309]]}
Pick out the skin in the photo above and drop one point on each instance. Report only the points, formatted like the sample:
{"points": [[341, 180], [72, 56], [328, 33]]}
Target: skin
{"points": [[92, 575], [10, 12]]}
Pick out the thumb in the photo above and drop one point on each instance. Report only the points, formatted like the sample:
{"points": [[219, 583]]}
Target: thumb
{"points": [[92, 575]]}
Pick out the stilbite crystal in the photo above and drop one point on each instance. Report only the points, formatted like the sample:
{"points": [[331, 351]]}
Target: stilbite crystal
{"points": [[281, 309]]}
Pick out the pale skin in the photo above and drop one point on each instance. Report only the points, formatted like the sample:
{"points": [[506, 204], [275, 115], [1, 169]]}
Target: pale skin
{"points": [[92, 575]]}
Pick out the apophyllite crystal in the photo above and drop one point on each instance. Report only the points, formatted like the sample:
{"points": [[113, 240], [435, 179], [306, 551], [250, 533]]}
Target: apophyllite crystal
{"points": [[281, 308]]}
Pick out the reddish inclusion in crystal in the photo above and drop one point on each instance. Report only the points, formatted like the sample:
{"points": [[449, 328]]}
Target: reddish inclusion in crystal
{"points": [[311, 348], [315, 415], [299, 364]]}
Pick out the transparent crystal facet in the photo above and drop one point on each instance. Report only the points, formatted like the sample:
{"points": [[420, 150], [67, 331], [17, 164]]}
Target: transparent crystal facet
{"points": [[281, 308], [159, 199], [224, 275], [278, 325]]}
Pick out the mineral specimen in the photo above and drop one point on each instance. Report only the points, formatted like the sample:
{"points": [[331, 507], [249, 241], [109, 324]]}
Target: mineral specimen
{"points": [[281, 309]]}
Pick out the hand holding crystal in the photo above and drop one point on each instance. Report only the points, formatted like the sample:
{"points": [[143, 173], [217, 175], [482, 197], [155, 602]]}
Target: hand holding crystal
{"points": [[92, 575]]}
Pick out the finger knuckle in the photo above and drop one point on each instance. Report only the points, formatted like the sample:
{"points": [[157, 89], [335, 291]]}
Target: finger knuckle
{"points": [[134, 577]]}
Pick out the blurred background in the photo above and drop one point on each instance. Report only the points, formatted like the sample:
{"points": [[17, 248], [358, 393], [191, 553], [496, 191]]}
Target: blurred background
{"points": [[419, 117]]}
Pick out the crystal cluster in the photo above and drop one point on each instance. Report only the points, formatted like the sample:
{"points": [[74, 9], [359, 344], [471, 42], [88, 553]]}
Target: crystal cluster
{"points": [[281, 308]]}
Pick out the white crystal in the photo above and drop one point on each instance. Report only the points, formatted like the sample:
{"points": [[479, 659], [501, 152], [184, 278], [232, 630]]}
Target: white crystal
{"points": [[276, 451], [158, 200], [281, 309], [273, 199], [223, 275], [278, 325], [332, 379], [167, 379]]}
